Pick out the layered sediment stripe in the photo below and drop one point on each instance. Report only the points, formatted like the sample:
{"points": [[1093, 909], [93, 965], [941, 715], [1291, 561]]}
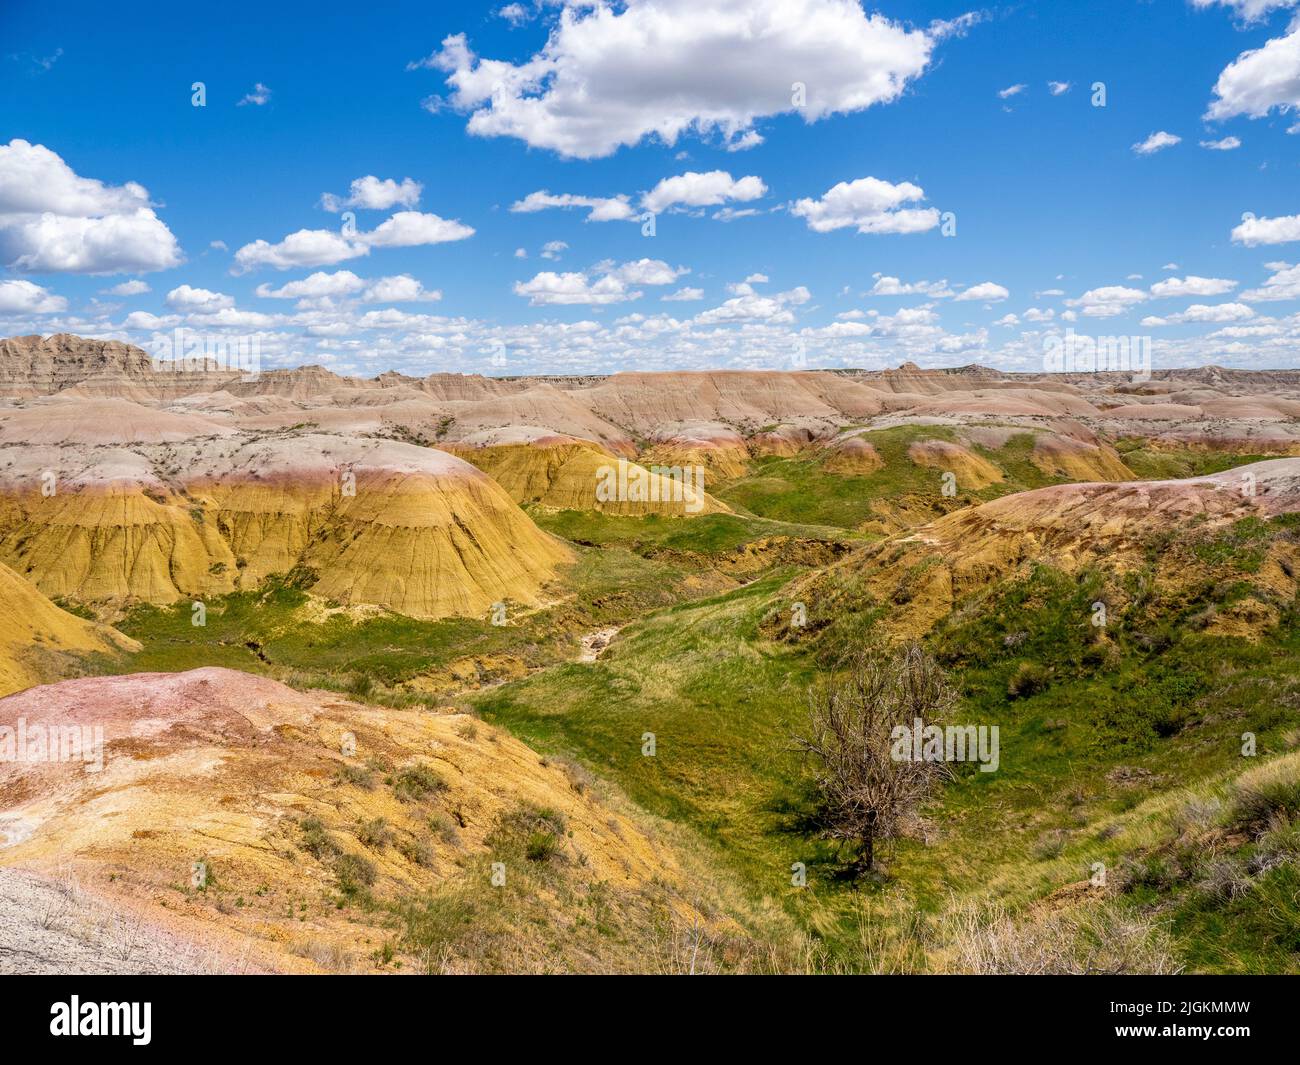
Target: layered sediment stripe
{"points": [[361, 521]]}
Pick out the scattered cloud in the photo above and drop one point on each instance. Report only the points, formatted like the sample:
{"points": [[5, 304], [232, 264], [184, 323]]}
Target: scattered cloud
{"points": [[610, 77], [892, 286], [127, 288], [54, 221], [1248, 10], [408, 229], [516, 14], [684, 295], [401, 288], [1200, 312], [259, 96], [24, 297], [751, 307], [599, 208], [1157, 142], [325, 247], [1260, 80], [606, 282], [39, 64], [870, 205], [305, 248], [1227, 144], [1011, 90], [1283, 284], [1059, 88], [702, 190], [190, 300], [1107, 301], [371, 194], [571, 288], [1192, 286], [318, 285], [646, 272], [150, 322], [749, 139], [986, 291], [1254, 231]]}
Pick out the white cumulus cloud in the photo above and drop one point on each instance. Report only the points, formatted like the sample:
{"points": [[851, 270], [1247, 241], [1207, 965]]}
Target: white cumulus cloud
{"points": [[1283, 284], [702, 190], [372, 194], [611, 76], [986, 291], [128, 288], [870, 205], [1107, 301], [197, 300], [684, 295], [324, 247], [54, 221], [24, 297], [1259, 80], [401, 288], [1281, 230], [316, 286], [572, 288], [1192, 286]]}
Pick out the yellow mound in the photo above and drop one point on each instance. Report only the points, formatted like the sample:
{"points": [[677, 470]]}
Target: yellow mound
{"points": [[396, 525], [723, 461], [38, 640], [852, 455], [930, 569], [250, 778], [1076, 460], [972, 471], [568, 474]]}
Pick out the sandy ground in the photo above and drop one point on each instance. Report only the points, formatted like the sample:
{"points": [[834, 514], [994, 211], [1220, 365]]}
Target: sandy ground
{"points": [[52, 926]]}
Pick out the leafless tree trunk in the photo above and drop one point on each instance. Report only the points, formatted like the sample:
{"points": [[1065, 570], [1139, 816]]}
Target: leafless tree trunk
{"points": [[866, 796]]}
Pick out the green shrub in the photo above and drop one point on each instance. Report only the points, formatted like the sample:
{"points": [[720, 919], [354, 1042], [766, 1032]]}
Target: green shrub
{"points": [[416, 782], [542, 846], [375, 834], [315, 840], [1270, 792], [353, 873], [1029, 677], [356, 775], [360, 685], [416, 851]]}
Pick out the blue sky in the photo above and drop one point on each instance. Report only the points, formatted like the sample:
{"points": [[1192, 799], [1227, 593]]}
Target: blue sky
{"points": [[778, 222]]}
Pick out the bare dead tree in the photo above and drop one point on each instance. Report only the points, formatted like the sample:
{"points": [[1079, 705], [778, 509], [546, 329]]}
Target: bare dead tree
{"points": [[865, 795]]}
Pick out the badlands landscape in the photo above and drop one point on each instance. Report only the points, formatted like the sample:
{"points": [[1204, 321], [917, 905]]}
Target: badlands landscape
{"points": [[387, 682]]}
